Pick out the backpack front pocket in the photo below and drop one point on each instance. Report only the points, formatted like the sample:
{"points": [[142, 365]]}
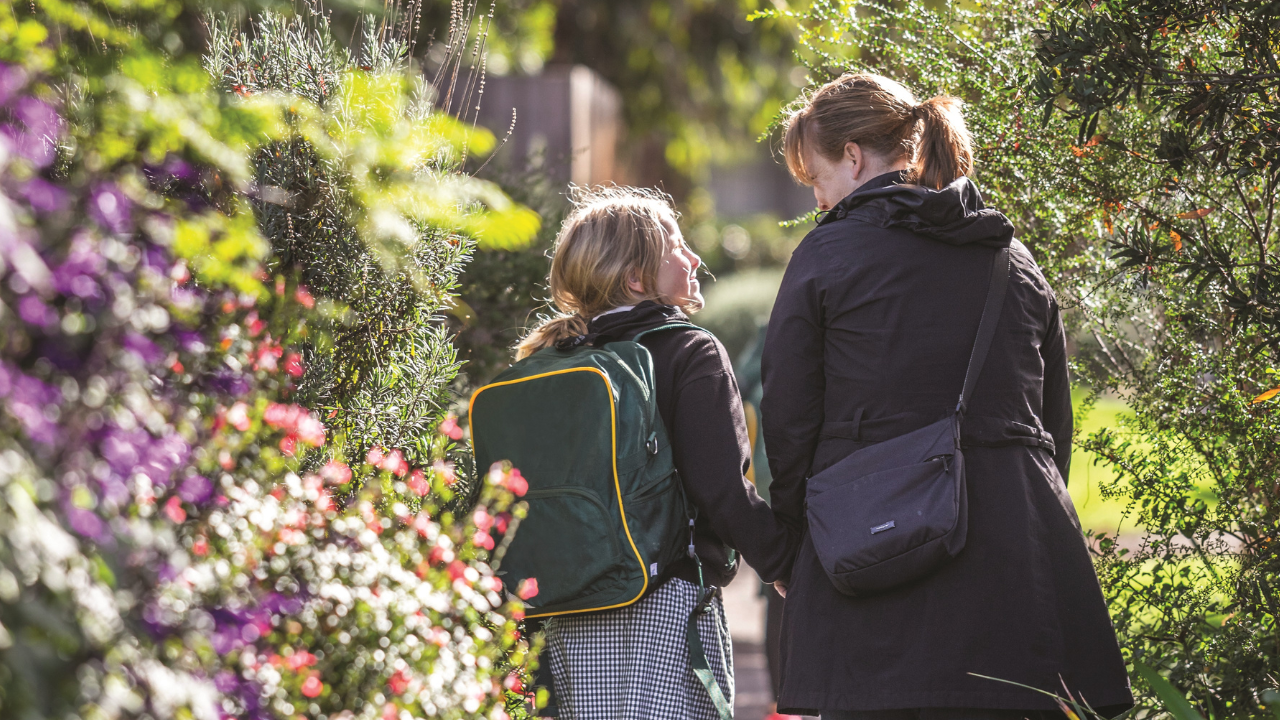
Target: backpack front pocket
{"points": [[584, 535]]}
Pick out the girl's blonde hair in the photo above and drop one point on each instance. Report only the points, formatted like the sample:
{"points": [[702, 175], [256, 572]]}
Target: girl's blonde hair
{"points": [[882, 116], [613, 234]]}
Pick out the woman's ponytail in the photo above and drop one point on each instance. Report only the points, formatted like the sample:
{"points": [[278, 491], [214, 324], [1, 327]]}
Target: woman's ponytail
{"points": [[883, 116], [550, 332], [946, 150]]}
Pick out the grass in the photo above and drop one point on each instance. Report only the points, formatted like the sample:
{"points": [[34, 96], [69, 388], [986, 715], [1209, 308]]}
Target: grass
{"points": [[1096, 513]]}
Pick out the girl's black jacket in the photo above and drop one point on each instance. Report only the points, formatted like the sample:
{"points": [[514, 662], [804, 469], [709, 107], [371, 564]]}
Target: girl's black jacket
{"points": [[699, 403]]}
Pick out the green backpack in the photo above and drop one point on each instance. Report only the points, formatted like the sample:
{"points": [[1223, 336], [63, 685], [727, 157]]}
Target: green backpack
{"points": [[606, 509]]}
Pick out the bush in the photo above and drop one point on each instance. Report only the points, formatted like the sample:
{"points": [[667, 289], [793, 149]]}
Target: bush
{"points": [[181, 534]]}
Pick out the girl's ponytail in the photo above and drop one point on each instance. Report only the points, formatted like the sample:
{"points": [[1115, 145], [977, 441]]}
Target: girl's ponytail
{"points": [[945, 151], [612, 236], [549, 333]]}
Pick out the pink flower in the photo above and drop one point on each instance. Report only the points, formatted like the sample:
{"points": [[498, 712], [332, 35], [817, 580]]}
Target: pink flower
{"points": [[445, 471], [482, 518], [289, 445], [311, 431], [450, 427], [336, 473], [528, 588], [422, 523], [394, 463], [516, 483], [375, 456], [482, 539], [418, 483], [312, 687], [389, 711], [173, 509], [293, 364], [299, 660], [398, 683], [304, 297], [238, 416]]}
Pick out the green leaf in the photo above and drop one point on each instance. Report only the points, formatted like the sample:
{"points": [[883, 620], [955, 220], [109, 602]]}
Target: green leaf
{"points": [[1174, 701]]}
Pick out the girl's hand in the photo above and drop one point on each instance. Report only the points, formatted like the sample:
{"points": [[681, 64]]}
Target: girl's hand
{"points": [[781, 587]]}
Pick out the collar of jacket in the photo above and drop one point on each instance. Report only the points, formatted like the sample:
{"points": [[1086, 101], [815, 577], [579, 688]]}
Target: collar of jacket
{"points": [[955, 214], [624, 325]]}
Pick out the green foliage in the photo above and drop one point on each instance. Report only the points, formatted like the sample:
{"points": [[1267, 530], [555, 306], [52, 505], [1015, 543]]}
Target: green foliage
{"points": [[365, 206], [1148, 202]]}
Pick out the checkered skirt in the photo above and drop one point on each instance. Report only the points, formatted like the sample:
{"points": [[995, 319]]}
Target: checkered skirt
{"points": [[633, 663]]}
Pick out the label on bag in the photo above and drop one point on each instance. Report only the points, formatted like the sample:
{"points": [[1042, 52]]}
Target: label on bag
{"points": [[653, 569], [881, 528]]}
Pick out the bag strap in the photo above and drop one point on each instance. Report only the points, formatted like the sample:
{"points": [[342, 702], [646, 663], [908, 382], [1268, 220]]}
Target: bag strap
{"points": [[698, 659], [986, 327]]}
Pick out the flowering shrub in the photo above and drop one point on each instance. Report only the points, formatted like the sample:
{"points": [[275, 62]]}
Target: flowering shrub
{"points": [[181, 533]]}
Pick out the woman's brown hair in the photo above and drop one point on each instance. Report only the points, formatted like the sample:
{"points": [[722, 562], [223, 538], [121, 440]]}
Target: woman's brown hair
{"points": [[883, 117], [612, 235]]}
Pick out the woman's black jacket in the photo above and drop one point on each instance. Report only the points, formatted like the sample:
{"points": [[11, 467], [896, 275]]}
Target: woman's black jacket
{"points": [[868, 340]]}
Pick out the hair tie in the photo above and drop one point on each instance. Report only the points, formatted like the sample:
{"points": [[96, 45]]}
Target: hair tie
{"points": [[917, 112]]}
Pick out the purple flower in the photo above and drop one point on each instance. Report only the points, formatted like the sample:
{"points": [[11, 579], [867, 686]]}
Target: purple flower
{"points": [[226, 682], [120, 449], [44, 195], [33, 311], [196, 490], [87, 524], [39, 150], [25, 399], [12, 79], [77, 274], [39, 117], [110, 208], [230, 383], [143, 347]]}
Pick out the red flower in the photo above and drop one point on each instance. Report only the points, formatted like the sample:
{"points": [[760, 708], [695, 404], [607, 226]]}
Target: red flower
{"points": [[293, 364], [418, 483], [299, 660], [336, 473], [394, 462], [516, 483], [457, 570], [312, 687], [398, 683], [450, 427], [304, 297], [173, 509], [482, 539], [528, 588]]}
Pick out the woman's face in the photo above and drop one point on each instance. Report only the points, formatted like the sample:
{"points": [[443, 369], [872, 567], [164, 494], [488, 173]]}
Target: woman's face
{"points": [[678, 275], [833, 180]]}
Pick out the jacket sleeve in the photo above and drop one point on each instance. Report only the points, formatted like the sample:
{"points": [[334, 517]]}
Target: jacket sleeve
{"points": [[1057, 392], [794, 385], [713, 467]]}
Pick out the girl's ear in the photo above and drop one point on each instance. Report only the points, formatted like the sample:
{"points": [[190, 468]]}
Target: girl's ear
{"points": [[634, 284]]}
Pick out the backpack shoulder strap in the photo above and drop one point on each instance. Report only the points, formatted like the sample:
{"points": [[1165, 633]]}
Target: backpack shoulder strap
{"points": [[668, 326]]}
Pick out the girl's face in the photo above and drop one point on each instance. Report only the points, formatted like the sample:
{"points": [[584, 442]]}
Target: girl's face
{"points": [[678, 275]]}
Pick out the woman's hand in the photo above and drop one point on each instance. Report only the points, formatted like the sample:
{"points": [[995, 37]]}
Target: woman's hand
{"points": [[781, 587]]}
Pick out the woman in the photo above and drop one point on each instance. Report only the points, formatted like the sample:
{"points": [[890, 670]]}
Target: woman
{"points": [[620, 266], [869, 340]]}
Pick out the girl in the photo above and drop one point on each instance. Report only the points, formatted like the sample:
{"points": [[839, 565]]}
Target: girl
{"points": [[621, 266], [869, 340]]}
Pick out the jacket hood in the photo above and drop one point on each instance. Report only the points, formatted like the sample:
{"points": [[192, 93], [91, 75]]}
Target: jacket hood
{"points": [[623, 325], [955, 215]]}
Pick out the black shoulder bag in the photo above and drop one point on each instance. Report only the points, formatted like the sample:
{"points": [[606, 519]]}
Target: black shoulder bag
{"points": [[897, 510]]}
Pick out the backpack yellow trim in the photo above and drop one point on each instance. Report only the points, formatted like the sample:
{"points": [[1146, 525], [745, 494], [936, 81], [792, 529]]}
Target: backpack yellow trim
{"points": [[617, 485]]}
